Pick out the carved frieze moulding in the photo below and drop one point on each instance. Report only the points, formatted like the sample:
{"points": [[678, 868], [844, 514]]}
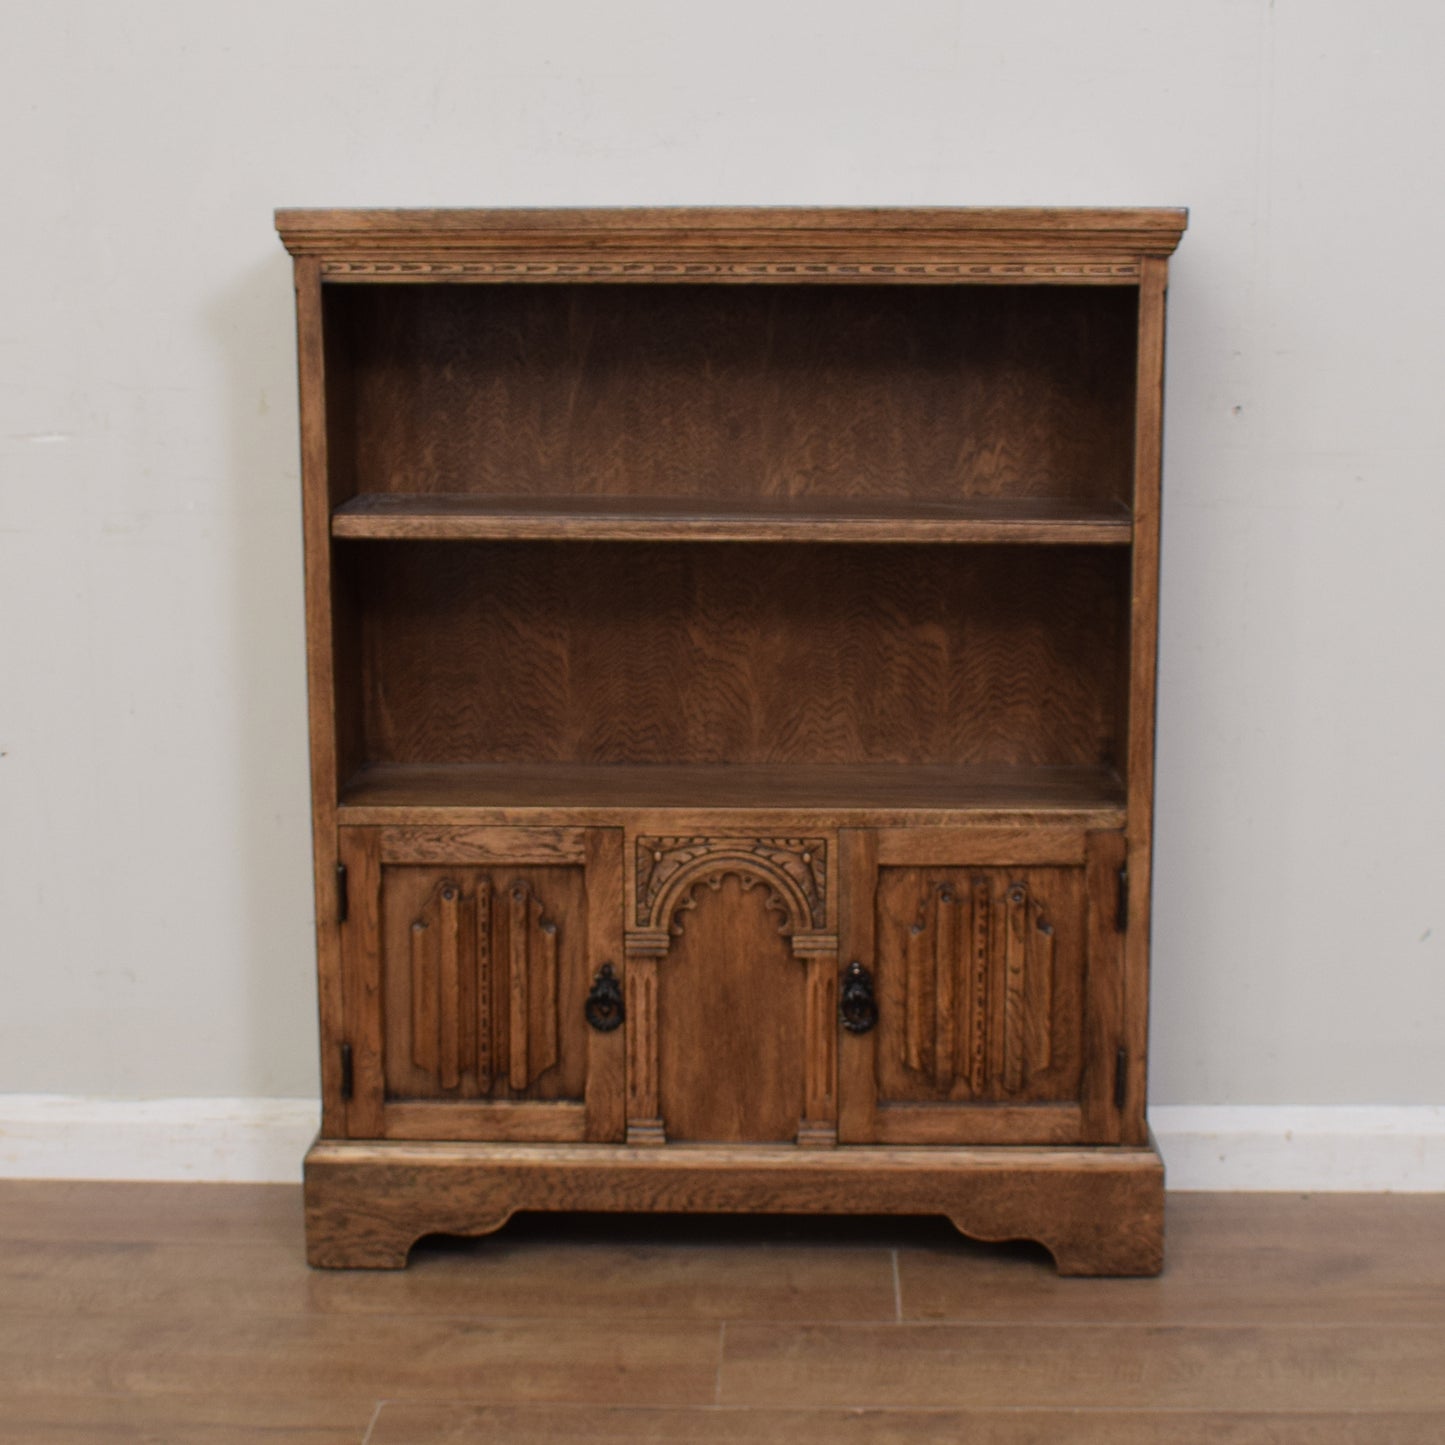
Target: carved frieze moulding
{"points": [[739, 270]]}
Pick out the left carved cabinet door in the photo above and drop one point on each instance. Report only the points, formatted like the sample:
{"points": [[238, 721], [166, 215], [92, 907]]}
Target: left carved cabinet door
{"points": [[482, 975]]}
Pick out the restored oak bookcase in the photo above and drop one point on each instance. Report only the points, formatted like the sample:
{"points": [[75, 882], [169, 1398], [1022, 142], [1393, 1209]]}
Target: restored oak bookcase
{"points": [[731, 642]]}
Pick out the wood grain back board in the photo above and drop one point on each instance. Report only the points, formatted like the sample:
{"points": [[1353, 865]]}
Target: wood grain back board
{"points": [[672, 654], [720, 392]]}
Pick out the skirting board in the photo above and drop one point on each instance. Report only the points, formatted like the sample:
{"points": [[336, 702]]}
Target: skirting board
{"points": [[1238, 1147], [61, 1136]]}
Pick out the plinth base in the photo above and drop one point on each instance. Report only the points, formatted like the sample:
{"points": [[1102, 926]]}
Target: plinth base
{"points": [[1098, 1211]]}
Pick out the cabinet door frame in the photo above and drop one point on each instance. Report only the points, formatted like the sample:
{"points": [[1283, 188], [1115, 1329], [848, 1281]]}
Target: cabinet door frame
{"points": [[364, 851], [1096, 1117]]}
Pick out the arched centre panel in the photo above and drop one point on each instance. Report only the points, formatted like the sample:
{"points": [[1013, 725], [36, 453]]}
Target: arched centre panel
{"points": [[731, 1004]]}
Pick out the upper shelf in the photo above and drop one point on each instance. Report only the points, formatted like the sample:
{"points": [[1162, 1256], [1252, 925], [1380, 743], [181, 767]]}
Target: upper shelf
{"points": [[466, 517]]}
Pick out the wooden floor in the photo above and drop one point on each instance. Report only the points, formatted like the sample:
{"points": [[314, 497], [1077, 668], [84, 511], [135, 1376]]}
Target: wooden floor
{"points": [[184, 1313]]}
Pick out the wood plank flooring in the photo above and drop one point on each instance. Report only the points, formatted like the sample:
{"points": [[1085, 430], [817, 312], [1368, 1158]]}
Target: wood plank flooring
{"points": [[185, 1313]]}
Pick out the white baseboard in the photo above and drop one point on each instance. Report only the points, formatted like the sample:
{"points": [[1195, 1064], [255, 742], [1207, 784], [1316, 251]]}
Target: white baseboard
{"points": [[60, 1136], [1248, 1147], [1318, 1149]]}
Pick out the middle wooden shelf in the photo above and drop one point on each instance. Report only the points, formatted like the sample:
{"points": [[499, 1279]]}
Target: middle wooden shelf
{"points": [[456, 516]]}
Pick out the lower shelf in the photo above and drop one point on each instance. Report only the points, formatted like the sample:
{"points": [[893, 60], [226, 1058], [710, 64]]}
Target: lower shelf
{"points": [[1098, 1211], [438, 794]]}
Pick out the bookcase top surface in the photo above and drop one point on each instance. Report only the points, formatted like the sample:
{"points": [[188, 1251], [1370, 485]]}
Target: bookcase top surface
{"points": [[736, 237]]}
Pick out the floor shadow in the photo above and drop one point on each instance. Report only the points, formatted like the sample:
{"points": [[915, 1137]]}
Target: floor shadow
{"points": [[691, 1231]]}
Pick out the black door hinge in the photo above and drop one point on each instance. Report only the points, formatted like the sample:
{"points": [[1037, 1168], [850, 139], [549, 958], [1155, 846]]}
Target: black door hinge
{"points": [[1121, 1079], [1121, 914], [343, 900], [348, 1075]]}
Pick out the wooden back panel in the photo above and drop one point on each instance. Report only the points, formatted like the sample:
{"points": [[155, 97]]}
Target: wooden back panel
{"points": [[697, 653], [696, 391]]}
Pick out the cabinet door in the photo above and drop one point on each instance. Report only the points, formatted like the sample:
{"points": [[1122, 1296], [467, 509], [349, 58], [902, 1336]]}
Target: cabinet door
{"points": [[469, 957], [996, 966], [732, 1012]]}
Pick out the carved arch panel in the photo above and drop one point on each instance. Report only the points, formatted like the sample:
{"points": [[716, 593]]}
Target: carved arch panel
{"points": [[669, 869], [777, 890]]}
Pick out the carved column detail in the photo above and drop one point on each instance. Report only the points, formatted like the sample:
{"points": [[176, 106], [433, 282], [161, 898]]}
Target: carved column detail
{"points": [[424, 1001], [937, 1022], [918, 1004], [532, 969], [819, 1125], [482, 935], [1041, 1016], [450, 990], [436, 969], [1015, 961], [644, 1122], [980, 895], [945, 974], [518, 986]]}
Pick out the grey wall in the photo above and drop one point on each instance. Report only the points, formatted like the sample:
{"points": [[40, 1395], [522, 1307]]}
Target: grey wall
{"points": [[154, 910]]}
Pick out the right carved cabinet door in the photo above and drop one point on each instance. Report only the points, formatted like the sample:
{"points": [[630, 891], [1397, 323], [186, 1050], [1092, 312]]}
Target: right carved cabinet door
{"points": [[994, 957]]}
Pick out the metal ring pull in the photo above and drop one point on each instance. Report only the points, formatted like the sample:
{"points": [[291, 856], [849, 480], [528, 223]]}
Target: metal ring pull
{"points": [[857, 1008], [604, 1008]]}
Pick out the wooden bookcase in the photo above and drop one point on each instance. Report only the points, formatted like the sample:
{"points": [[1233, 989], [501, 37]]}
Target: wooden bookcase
{"points": [[731, 642]]}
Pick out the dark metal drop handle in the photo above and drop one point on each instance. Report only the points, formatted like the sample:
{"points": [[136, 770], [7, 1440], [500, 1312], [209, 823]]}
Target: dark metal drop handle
{"points": [[604, 1009], [857, 1008]]}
